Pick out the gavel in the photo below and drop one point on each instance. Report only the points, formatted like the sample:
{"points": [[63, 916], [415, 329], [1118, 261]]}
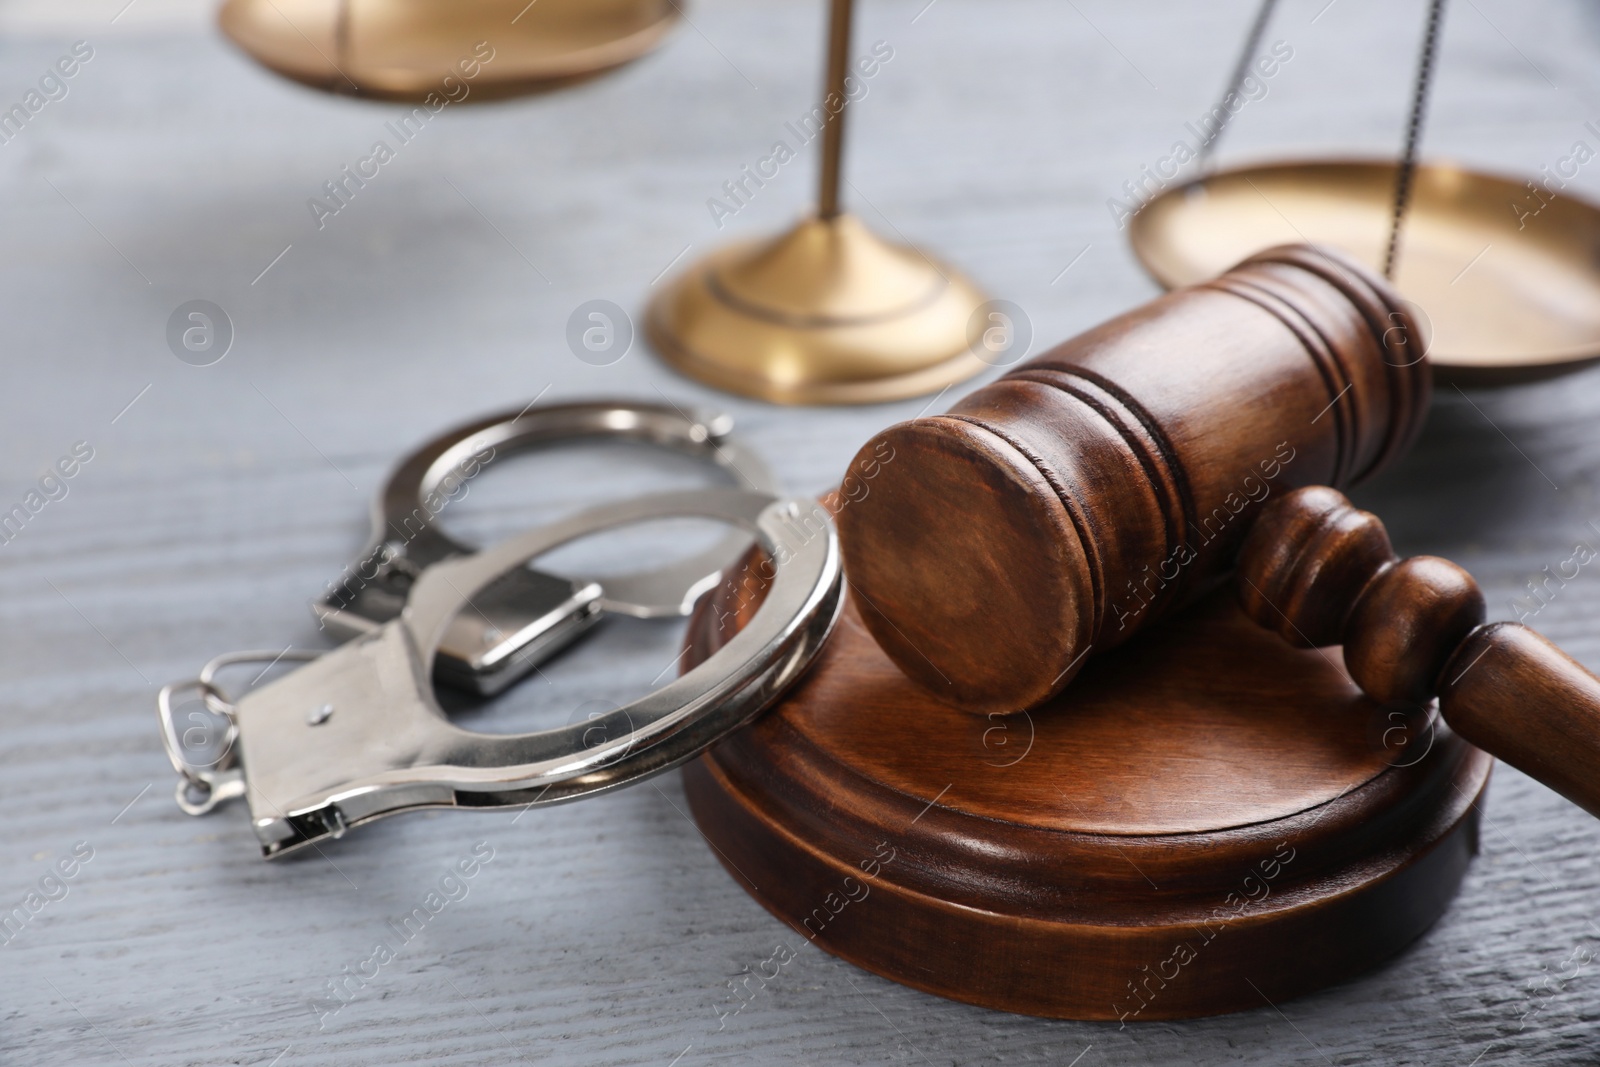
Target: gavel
{"points": [[1055, 512]]}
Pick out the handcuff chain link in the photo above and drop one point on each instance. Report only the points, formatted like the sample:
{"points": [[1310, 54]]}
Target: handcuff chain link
{"points": [[202, 787]]}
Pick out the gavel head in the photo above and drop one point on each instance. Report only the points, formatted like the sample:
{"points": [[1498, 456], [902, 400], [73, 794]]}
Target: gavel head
{"points": [[1055, 511]]}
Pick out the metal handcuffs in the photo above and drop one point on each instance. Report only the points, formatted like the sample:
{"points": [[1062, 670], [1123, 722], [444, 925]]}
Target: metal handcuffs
{"points": [[527, 615], [356, 734]]}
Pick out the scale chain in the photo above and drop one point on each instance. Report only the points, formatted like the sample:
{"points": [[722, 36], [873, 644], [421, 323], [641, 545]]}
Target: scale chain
{"points": [[1408, 158], [1241, 70], [1406, 171]]}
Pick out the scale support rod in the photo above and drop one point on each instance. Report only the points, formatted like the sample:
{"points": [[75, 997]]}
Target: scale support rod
{"points": [[839, 20]]}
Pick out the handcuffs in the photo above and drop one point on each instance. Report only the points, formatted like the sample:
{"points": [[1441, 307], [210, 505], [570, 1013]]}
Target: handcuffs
{"points": [[526, 615], [356, 733]]}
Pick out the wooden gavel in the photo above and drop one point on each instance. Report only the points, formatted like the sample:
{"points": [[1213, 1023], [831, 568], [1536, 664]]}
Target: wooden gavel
{"points": [[1055, 512]]}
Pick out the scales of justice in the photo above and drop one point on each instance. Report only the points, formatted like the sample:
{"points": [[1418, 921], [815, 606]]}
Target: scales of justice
{"points": [[830, 312]]}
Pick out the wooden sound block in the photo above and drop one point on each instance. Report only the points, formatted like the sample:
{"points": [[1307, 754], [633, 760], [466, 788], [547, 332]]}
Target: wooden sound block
{"points": [[1206, 820]]}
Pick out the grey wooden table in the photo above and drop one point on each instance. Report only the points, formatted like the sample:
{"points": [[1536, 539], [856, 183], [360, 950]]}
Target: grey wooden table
{"points": [[219, 499]]}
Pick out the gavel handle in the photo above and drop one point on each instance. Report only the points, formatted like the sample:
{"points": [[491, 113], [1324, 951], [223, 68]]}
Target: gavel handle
{"points": [[1320, 572], [1514, 694]]}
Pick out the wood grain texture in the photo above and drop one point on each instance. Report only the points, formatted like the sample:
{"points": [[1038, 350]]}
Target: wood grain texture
{"points": [[607, 932], [1551, 726], [1204, 818]]}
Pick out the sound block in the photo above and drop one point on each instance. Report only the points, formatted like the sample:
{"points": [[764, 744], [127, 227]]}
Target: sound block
{"points": [[1205, 821]]}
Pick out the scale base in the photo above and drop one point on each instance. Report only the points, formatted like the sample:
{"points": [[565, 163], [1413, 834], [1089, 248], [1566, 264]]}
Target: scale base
{"points": [[405, 49], [827, 313], [1206, 820]]}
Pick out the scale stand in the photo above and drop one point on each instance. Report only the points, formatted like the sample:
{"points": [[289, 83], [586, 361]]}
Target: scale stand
{"points": [[827, 313]]}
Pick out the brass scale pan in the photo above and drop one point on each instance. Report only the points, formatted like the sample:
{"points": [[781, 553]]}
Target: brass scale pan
{"points": [[403, 49], [1508, 279]]}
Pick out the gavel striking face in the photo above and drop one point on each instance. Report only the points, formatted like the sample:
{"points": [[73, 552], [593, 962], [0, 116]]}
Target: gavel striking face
{"points": [[1056, 511]]}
